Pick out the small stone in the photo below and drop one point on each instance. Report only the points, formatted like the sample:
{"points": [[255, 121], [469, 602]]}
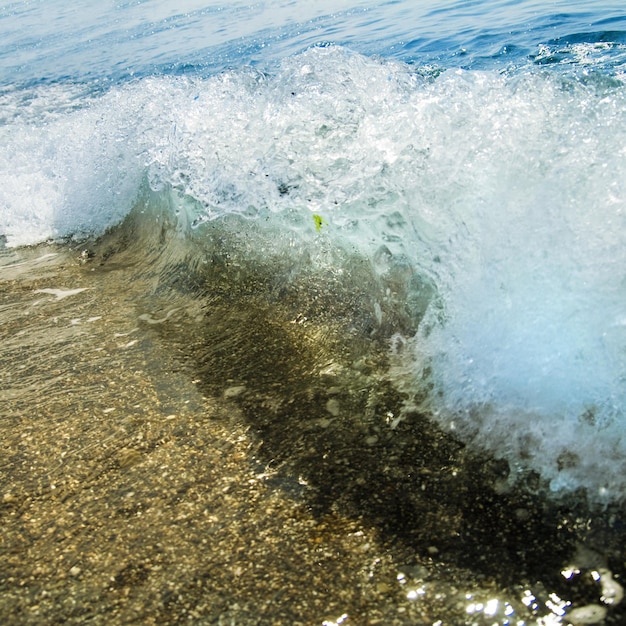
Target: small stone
{"points": [[612, 591], [127, 457], [332, 406], [75, 571], [589, 614], [416, 572], [234, 391], [522, 514]]}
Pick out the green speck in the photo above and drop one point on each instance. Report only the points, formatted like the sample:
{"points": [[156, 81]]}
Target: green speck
{"points": [[319, 222]]}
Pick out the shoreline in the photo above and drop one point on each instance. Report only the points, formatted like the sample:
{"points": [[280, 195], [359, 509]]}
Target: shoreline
{"points": [[193, 451]]}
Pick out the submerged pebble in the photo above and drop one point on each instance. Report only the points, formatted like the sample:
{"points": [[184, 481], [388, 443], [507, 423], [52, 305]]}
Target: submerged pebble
{"points": [[590, 614]]}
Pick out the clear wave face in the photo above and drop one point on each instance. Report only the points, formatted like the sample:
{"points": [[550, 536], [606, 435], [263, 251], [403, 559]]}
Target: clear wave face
{"points": [[504, 192]]}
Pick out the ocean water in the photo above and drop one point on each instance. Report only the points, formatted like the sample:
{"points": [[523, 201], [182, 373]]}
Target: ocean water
{"points": [[478, 148], [481, 144], [391, 233]]}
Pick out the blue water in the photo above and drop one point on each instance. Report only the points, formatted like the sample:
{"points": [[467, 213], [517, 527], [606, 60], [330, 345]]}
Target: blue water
{"points": [[51, 41], [480, 144]]}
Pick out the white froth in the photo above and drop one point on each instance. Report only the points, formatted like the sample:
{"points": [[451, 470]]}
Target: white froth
{"points": [[67, 168]]}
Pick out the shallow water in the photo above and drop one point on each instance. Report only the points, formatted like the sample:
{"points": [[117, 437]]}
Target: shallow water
{"points": [[211, 442], [360, 267]]}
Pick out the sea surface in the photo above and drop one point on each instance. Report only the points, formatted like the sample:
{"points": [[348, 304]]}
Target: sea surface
{"points": [[409, 214]]}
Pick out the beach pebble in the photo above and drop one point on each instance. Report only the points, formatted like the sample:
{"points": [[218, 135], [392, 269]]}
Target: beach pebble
{"points": [[234, 391], [589, 614], [127, 457], [332, 406], [612, 591]]}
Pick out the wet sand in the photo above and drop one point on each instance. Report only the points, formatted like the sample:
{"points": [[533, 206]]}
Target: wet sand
{"points": [[203, 445]]}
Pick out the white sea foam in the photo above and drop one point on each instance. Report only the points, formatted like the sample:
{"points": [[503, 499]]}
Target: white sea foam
{"points": [[506, 191]]}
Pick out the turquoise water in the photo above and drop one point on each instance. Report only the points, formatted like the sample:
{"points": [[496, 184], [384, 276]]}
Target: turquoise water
{"points": [[481, 145]]}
